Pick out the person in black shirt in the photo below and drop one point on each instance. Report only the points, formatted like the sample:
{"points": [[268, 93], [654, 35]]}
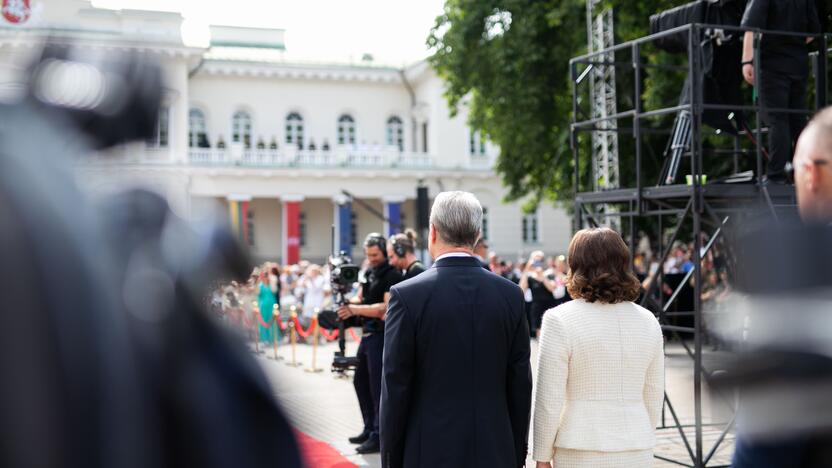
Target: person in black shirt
{"points": [[371, 305], [401, 250], [784, 71]]}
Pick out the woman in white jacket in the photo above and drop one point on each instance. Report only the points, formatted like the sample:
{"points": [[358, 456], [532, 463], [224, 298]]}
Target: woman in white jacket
{"points": [[600, 369]]}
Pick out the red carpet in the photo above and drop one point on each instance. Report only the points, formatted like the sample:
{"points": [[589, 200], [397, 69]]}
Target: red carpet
{"points": [[319, 454]]}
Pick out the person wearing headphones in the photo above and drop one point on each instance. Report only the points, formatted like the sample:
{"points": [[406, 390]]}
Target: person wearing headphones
{"points": [[370, 304], [402, 254]]}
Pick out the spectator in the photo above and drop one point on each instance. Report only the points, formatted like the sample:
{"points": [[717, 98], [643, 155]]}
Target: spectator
{"points": [[314, 288], [541, 286], [561, 270], [274, 281], [265, 302]]}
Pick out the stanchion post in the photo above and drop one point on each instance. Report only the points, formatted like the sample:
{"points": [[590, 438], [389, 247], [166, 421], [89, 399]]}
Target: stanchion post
{"points": [[293, 338], [314, 367], [255, 309], [276, 330]]}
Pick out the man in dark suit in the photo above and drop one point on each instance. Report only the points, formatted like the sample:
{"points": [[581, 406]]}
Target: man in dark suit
{"points": [[456, 378]]}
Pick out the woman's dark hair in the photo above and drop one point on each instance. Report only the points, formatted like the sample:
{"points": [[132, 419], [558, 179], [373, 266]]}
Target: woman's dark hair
{"points": [[599, 268]]}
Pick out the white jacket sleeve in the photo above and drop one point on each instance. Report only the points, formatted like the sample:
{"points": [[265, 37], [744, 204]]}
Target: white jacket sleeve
{"points": [[550, 389], [654, 383]]}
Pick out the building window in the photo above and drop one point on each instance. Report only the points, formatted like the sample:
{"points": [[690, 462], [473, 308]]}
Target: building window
{"points": [[346, 130], [425, 137], [531, 228], [302, 229], [160, 135], [241, 129], [476, 143], [353, 229], [395, 132], [250, 225], [197, 135], [294, 129], [484, 229]]}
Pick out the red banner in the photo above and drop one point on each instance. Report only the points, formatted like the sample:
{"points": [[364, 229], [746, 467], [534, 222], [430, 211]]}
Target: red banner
{"points": [[291, 232]]}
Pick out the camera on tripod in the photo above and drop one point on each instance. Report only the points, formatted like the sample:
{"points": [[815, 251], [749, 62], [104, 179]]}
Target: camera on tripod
{"points": [[342, 276]]}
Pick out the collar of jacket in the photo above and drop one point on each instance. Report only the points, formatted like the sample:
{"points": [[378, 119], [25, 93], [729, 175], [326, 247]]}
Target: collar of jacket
{"points": [[469, 261]]}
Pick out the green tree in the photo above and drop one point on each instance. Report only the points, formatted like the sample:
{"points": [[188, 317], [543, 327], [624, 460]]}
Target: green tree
{"points": [[509, 59]]}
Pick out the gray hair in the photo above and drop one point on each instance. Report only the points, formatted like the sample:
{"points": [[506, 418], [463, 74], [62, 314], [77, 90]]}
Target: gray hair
{"points": [[457, 217]]}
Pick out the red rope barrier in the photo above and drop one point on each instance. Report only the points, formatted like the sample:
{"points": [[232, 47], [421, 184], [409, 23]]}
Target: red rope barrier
{"points": [[301, 332], [280, 322], [263, 323], [329, 336], [248, 323]]}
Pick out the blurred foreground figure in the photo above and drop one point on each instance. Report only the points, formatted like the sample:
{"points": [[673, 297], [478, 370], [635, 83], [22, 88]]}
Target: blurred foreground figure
{"points": [[785, 370], [107, 358]]}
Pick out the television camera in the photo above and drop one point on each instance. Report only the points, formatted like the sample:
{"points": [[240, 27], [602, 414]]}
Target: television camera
{"points": [[342, 276]]}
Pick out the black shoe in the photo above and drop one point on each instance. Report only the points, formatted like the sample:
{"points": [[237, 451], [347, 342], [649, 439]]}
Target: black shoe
{"points": [[361, 438], [775, 179], [370, 446]]}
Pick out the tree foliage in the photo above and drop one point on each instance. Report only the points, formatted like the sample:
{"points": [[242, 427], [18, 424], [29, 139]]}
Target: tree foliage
{"points": [[508, 60]]}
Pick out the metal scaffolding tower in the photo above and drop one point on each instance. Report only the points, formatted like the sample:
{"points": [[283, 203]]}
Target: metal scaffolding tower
{"points": [[600, 37]]}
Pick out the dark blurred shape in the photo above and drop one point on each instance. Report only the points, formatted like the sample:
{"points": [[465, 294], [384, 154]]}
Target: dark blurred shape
{"points": [[110, 98], [107, 358], [785, 259], [782, 326]]}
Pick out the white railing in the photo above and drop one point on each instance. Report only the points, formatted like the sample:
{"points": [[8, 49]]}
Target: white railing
{"points": [[291, 157]]}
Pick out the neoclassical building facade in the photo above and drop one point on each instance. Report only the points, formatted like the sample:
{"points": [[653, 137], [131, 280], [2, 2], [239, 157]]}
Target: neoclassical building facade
{"points": [[284, 149]]}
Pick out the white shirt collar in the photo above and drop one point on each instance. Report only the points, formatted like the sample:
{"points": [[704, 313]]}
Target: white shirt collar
{"points": [[453, 254]]}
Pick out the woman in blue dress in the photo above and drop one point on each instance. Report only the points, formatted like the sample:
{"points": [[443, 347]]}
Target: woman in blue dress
{"points": [[266, 301]]}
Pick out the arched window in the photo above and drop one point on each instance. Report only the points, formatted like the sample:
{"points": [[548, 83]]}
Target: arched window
{"points": [[395, 132], [294, 129], [197, 134], [241, 128], [346, 130]]}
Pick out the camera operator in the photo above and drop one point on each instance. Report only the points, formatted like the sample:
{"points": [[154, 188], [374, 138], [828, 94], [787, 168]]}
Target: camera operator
{"points": [[371, 305], [402, 254]]}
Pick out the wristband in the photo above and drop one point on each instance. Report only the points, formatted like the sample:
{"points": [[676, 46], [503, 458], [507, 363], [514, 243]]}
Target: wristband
{"points": [[747, 62]]}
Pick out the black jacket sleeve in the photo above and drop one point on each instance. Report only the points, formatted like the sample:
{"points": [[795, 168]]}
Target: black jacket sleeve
{"points": [[398, 365], [519, 383]]}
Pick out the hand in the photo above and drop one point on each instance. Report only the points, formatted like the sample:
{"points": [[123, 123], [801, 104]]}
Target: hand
{"points": [[541, 464], [344, 312], [748, 73]]}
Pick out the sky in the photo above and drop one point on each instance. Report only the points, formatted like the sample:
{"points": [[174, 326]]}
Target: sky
{"points": [[393, 31]]}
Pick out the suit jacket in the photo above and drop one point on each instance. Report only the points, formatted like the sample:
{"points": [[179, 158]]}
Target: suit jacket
{"points": [[456, 379], [600, 379]]}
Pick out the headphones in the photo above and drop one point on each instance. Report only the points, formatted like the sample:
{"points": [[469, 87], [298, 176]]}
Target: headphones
{"points": [[398, 248], [378, 240]]}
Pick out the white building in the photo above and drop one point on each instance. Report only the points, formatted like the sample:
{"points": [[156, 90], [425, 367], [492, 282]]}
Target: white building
{"points": [[274, 143]]}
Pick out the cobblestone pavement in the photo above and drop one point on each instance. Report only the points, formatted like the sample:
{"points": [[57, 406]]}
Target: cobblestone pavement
{"points": [[325, 407]]}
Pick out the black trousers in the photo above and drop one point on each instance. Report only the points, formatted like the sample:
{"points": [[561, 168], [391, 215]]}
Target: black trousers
{"points": [[367, 379], [782, 91]]}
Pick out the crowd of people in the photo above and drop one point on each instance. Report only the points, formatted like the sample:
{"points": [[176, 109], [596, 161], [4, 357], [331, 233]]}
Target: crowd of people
{"points": [[305, 287]]}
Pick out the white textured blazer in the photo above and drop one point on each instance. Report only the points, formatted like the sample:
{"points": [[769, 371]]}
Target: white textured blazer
{"points": [[600, 379]]}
